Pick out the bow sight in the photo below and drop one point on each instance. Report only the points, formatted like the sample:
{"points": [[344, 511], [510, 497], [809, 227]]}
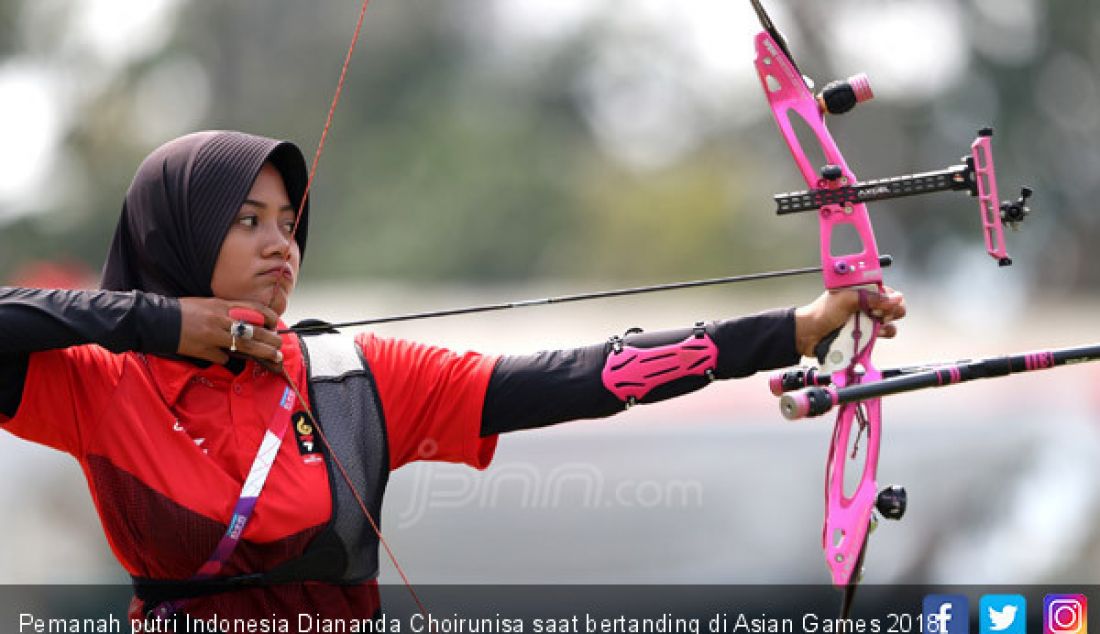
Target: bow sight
{"points": [[976, 176]]}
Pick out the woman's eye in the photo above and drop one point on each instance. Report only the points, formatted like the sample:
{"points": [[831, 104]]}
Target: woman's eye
{"points": [[248, 221]]}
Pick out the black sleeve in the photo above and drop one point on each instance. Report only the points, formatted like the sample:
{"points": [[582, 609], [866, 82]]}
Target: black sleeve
{"points": [[32, 320], [556, 386]]}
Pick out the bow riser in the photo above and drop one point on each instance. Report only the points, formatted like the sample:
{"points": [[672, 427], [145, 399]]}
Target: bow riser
{"points": [[789, 96], [847, 518]]}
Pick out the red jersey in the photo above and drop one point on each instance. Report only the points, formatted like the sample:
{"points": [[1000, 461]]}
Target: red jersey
{"points": [[165, 447]]}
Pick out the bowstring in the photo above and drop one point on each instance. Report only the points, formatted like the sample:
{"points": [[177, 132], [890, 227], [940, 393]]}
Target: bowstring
{"points": [[286, 376], [358, 498]]}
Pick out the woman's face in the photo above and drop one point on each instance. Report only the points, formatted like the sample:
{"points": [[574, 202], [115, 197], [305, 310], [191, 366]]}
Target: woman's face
{"points": [[259, 258]]}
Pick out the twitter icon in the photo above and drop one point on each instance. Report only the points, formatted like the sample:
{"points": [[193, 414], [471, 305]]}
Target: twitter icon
{"points": [[1002, 614]]}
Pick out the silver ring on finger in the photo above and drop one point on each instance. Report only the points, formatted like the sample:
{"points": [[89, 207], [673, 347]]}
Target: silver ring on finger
{"points": [[242, 329]]}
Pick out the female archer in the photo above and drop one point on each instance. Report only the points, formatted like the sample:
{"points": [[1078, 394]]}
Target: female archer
{"points": [[193, 426]]}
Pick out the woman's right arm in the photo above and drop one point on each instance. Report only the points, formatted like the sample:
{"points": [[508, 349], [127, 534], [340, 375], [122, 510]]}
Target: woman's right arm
{"points": [[32, 320]]}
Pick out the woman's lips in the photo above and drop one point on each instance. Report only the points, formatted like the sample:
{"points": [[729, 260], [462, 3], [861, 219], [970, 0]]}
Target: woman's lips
{"points": [[282, 271]]}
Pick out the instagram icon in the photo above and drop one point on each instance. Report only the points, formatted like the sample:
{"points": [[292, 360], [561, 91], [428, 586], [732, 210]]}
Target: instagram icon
{"points": [[1065, 614]]}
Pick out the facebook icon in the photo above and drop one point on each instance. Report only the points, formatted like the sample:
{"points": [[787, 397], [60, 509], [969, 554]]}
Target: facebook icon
{"points": [[946, 614]]}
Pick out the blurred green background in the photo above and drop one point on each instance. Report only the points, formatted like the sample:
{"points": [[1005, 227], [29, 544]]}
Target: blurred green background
{"points": [[493, 149], [510, 140]]}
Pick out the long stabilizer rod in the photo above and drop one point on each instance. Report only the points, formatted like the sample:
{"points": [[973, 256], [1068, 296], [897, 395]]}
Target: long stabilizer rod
{"points": [[817, 400]]}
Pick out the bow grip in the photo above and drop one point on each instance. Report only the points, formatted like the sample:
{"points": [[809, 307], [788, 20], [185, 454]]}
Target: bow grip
{"points": [[821, 350]]}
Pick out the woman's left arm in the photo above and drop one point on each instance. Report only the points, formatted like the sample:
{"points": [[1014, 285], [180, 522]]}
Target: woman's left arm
{"points": [[551, 387]]}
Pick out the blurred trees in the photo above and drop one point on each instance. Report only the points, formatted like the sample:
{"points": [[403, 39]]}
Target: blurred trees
{"points": [[445, 162]]}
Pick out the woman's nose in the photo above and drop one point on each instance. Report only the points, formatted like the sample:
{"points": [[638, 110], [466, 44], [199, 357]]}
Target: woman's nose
{"points": [[276, 240]]}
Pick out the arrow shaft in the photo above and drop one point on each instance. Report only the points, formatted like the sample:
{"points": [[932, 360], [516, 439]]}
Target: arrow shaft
{"points": [[573, 297]]}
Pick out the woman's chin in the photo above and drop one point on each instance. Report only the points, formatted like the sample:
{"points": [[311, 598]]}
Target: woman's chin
{"points": [[274, 297], [277, 299]]}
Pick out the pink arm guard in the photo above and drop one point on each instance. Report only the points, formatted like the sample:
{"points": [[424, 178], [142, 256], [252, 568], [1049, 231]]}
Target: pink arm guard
{"points": [[630, 373]]}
